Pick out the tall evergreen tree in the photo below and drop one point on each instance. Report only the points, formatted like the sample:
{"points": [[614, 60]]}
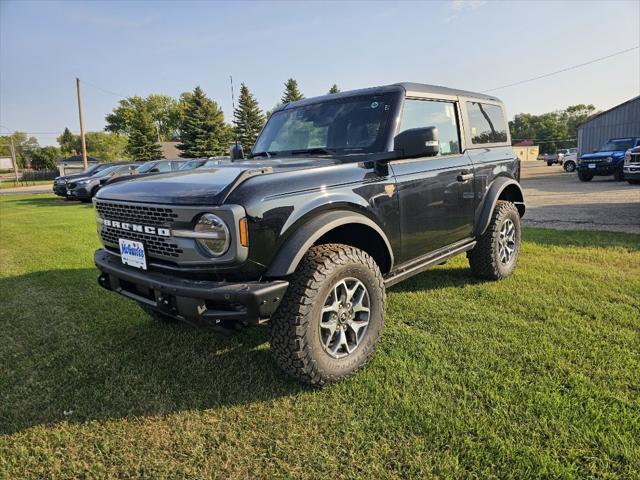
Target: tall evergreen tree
{"points": [[248, 117], [69, 143], [203, 132], [291, 92], [143, 135], [334, 89]]}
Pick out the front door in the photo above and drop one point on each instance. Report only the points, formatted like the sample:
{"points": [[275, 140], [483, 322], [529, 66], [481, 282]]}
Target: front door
{"points": [[436, 194]]}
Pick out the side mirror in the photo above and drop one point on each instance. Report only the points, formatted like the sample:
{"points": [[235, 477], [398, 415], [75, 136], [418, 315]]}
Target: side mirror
{"points": [[418, 142], [236, 152]]}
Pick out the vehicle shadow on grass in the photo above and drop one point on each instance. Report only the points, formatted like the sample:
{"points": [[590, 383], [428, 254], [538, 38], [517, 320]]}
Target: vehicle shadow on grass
{"points": [[437, 278], [48, 201], [80, 353]]}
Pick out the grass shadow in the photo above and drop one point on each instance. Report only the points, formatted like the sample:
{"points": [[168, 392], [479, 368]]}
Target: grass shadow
{"points": [[83, 354], [437, 278], [47, 201]]}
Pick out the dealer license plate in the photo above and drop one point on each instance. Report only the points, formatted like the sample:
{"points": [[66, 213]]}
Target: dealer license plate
{"points": [[592, 165], [132, 253]]}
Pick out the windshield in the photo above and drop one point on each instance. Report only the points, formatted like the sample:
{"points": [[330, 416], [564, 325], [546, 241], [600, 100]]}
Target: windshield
{"points": [[191, 164], [146, 167], [107, 171], [90, 170], [355, 124], [622, 144]]}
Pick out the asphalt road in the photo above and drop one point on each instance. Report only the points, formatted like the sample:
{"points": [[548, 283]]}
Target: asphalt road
{"points": [[556, 199]]}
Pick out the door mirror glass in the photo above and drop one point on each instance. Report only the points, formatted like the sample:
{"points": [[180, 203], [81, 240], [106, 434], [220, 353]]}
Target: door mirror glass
{"points": [[418, 142], [236, 152]]}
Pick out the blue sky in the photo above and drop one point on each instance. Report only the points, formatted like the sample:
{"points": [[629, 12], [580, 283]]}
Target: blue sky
{"points": [[170, 47]]}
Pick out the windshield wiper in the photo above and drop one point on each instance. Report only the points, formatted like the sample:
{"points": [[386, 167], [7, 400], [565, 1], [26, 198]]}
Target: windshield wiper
{"points": [[317, 150], [264, 154]]}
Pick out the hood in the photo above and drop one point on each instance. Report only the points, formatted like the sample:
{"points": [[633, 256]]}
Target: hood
{"points": [[601, 155], [68, 177], [209, 186], [78, 178]]}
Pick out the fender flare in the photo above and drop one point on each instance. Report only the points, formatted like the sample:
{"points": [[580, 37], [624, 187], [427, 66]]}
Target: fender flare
{"points": [[491, 198], [294, 248]]}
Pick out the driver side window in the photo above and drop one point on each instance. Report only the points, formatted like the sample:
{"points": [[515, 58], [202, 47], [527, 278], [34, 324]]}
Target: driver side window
{"points": [[431, 113]]}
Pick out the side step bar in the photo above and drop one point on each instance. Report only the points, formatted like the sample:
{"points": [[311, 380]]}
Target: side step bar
{"points": [[415, 268]]}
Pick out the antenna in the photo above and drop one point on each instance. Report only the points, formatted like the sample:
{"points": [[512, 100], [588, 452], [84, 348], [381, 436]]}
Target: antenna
{"points": [[233, 106]]}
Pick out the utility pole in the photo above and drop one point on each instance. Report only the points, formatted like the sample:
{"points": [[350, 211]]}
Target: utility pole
{"points": [[13, 157], [82, 139]]}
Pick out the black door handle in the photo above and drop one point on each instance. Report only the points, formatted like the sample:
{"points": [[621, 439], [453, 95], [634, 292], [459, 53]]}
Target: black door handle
{"points": [[464, 176]]}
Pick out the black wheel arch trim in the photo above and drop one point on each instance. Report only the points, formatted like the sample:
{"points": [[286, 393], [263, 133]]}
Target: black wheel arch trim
{"points": [[492, 196], [294, 248]]}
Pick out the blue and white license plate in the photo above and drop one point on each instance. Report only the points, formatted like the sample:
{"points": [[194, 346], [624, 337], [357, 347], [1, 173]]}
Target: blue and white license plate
{"points": [[592, 165], [132, 253]]}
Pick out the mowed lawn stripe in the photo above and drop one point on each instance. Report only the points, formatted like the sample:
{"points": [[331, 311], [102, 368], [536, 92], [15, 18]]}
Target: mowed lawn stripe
{"points": [[534, 376]]}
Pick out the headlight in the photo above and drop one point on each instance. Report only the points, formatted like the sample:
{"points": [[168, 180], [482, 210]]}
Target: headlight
{"points": [[627, 156], [212, 234], [609, 159]]}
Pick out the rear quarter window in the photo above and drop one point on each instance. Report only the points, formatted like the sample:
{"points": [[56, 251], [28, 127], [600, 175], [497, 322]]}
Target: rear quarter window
{"points": [[486, 123]]}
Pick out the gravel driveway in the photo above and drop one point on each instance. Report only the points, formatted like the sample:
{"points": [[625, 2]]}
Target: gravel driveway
{"points": [[556, 199]]}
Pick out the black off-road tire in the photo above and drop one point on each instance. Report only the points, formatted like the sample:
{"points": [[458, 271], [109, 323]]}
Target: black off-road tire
{"points": [[295, 327], [618, 175], [549, 163], [160, 317], [633, 181], [584, 177], [484, 258]]}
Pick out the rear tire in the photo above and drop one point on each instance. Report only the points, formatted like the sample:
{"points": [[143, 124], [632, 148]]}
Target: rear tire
{"points": [[496, 252], [584, 177], [331, 317], [549, 163]]}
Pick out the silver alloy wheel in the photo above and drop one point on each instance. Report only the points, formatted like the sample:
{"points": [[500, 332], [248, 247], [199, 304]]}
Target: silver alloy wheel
{"points": [[507, 242], [345, 317]]}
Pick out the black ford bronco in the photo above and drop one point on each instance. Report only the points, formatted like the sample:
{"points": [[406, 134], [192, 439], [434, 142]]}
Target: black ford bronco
{"points": [[341, 196]]}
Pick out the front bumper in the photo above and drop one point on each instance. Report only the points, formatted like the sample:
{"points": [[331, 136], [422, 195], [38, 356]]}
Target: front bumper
{"points": [[601, 168], [60, 189], [79, 192], [631, 171], [195, 301]]}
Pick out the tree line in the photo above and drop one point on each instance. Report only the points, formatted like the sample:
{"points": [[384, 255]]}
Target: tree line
{"points": [[137, 126]]}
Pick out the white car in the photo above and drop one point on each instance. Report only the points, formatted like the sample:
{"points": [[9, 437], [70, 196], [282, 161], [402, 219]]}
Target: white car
{"points": [[569, 160]]}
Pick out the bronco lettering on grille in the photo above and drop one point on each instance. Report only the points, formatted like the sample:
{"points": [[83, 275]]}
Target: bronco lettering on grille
{"points": [[133, 227]]}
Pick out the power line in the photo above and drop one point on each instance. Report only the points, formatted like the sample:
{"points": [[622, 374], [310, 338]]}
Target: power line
{"points": [[573, 67], [104, 89]]}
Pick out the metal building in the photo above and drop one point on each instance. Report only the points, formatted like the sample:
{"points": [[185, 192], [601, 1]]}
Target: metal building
{"points": [[618, 122]]}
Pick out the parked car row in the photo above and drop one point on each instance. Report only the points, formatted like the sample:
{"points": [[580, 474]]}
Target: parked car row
{"points": [[83, 186], [619, 157]]}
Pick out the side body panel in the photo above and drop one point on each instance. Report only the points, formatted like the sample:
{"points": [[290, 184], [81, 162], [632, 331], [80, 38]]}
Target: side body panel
{"points": [[275, 211]]}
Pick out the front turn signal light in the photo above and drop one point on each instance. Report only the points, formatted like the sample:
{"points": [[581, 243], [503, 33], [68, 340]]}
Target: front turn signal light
{"points": [[244, 232]]}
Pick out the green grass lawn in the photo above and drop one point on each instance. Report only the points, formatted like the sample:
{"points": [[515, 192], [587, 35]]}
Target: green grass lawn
{"points": [[13, 184], [535, 376]]}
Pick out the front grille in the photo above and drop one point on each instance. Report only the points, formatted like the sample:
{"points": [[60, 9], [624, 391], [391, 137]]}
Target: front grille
{"points": [[153, 245], [153, 216], [139, 214]]}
